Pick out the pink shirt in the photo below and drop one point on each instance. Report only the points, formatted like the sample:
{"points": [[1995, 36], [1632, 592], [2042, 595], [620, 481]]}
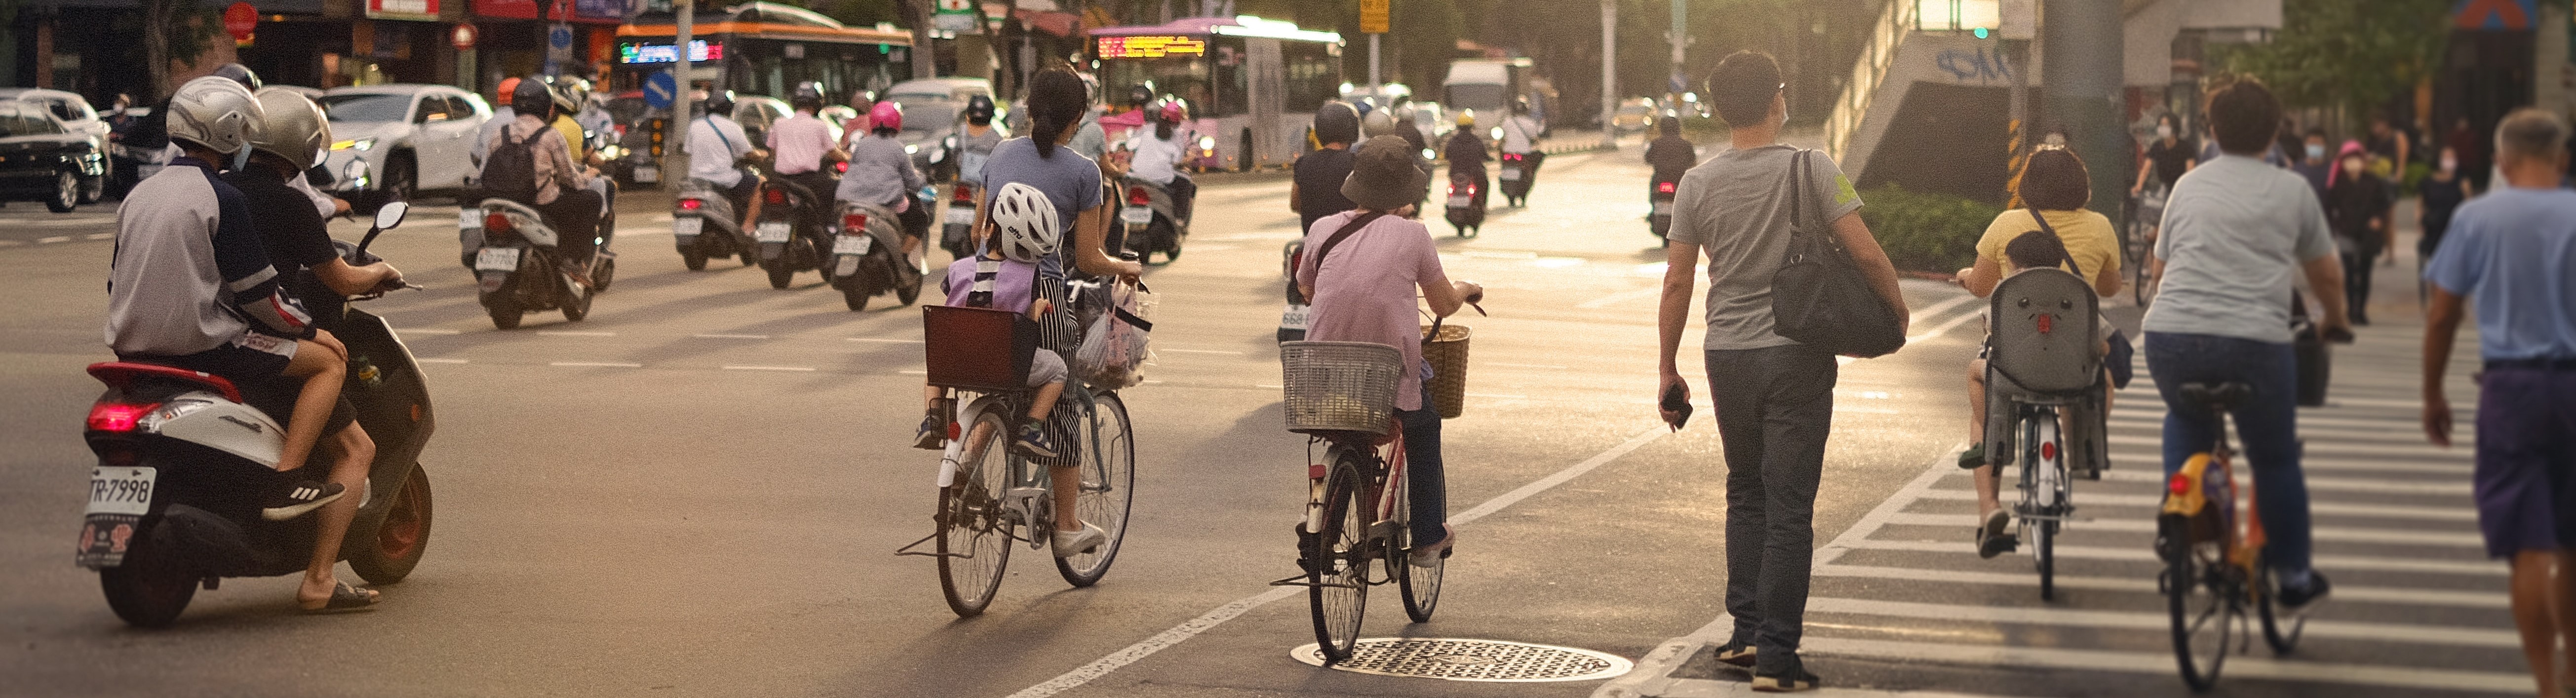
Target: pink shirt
{"points": [[1365, 291], [798, 143]]}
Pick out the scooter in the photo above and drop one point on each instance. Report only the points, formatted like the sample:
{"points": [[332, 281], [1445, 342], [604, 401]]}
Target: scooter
{"points": [[703, 205], [787, 234], [174, 500], [516, 270], [1661, 219], [957, 226], [1466, 203], [868, 257], [1292, 319], [1151, 221], [1517, 178]]}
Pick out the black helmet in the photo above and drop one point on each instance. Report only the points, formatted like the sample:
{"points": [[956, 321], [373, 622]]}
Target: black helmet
{"points": [[807, 97], [1671, 124], [720, 102], [533, 97], [1139, 96], [237, 72], [1520, 105], [1337, 122], [979, 110]]}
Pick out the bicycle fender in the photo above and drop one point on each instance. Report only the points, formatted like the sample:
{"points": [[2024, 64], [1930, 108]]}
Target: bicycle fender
{"points": [[2184, 495]]}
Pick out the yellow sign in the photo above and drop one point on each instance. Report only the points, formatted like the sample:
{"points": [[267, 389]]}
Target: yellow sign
{"points": [[1373, 16], [1151, 46]]}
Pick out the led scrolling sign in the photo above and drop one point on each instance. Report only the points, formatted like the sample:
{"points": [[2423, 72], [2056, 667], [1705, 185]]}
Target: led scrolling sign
{"points": [[1150, 46]]}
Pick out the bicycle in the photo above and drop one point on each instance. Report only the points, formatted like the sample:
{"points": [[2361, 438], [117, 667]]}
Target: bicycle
{"points": [[2146, 212], [2213, 555], [1342, 395], [2040, 365]]}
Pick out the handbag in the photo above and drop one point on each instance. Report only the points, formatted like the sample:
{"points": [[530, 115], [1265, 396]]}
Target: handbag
{"points": [[2121, 353], [1116, 345], [2315, 366], [1819, 298]]}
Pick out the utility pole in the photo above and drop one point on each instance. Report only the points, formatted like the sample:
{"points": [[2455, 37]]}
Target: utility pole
{"points": [[1609, 74], [1680, 36], [2082, 91], [675, 144], [1373, 22]]}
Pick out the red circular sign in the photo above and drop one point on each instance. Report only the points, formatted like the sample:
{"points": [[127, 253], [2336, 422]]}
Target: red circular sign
{"points": [[240, 19], [463, 37]]}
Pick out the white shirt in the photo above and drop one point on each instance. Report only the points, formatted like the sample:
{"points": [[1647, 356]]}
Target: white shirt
{"points": [[715, 144], [1520, 133], [1155, 156]]}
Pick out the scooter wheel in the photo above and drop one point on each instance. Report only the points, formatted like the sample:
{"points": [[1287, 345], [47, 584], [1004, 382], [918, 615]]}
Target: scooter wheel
{"points": [[694, 260]]}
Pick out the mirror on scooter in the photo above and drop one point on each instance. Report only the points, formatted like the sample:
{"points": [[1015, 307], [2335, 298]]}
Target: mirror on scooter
{"points": [[391, 214]]}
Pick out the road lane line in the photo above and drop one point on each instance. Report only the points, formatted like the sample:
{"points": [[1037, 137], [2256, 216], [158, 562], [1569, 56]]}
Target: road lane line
{"points": [[2336, 484], [1944, 306], [2464, 539], [2352, 563], [426, 331], [440, 361], [595, 364], [1218, 616], [2162, 663], [769, 368], [12, 243], [913, 372], [575, 333], [99, 236], [884, 341], [732, 336], [54, 239], [2388, 511], [2408, 633]]}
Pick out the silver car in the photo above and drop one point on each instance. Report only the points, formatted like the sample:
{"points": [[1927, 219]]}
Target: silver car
{"points": [[399, 139]]}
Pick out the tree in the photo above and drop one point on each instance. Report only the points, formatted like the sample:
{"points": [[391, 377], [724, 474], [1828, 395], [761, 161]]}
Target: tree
{"points": [[174, 30], [2356, 54]]}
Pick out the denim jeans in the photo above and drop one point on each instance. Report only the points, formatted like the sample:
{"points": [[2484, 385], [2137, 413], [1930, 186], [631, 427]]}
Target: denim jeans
{"points": [[1775, 406], [2267, 424], [1429, 498]]}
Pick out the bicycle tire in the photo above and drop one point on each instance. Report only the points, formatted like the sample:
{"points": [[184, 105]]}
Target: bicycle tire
{"points": [[2044, 550], [1108, 488], [2202, 612], [1420, 586], [973, 524], [1337, 569], [2045, 477], [2282, 635]]}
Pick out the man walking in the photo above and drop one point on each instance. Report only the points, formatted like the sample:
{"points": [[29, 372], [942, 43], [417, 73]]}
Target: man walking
{"points": [[1774, 396], [2513, 251]]}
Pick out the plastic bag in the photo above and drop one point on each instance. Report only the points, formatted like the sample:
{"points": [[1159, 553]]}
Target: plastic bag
{"points": [[1116, 344]]}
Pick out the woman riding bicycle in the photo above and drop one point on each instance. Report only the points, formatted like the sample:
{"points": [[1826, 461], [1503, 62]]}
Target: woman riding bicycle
{"points": [[1363, 291]]}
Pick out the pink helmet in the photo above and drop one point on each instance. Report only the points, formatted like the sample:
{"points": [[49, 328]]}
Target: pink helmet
{"points": [[886, 116], [1173, 112]]}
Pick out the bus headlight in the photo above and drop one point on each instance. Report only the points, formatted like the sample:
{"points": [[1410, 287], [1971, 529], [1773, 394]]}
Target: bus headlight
{"points": [[1207, 143]]}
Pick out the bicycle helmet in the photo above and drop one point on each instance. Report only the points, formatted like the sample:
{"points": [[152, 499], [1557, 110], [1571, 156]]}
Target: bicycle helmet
{"points": [[567, 97], [531, 97], [1377, 123], [290, 127], [214, 113], [885, 116], [1337, 122], [979, 110], [237, 72], [1028, 229]]}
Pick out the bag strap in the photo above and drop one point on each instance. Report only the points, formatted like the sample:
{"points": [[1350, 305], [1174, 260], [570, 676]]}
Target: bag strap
{"points": [[711, 126], [1357, 222], [2061, 244]]}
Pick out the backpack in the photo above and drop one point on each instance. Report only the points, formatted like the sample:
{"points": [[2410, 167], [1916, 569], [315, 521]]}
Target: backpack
{"points": [[511, 171]]}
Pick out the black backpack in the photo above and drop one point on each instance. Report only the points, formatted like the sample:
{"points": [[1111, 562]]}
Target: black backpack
{"points": [[511, 170]]}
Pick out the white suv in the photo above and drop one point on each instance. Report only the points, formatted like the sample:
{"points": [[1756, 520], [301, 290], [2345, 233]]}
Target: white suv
{"points": [[399, 139]]}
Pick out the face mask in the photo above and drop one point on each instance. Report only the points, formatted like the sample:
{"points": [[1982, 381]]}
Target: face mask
{"points": [[241, 159], [2316, 152], [2164, 131]]}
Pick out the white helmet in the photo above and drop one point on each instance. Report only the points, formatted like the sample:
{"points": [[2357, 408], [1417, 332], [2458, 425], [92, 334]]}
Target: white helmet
{"points": [[291, 127], [1029, 229], [215, 113]]}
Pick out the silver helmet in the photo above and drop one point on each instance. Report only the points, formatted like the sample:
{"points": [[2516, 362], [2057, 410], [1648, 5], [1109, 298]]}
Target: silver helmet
{"points": [[292, 127], [215, 113]]}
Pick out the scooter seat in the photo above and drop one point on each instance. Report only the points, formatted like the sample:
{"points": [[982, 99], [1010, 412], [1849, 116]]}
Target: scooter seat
{"points": [[122, 375]]}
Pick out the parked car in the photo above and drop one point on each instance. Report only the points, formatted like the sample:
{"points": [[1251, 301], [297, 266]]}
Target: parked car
{"points": [[755, 114], [395, 140], [41, 160], [1635, 115], [75, 116]]}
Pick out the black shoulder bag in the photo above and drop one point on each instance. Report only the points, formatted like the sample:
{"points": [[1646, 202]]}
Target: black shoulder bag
{"points": [[2121, 353], [1819, 298]]}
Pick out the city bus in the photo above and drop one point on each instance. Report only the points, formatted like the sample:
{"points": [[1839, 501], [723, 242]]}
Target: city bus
{"points": [[1252, 84], [765, 48]]}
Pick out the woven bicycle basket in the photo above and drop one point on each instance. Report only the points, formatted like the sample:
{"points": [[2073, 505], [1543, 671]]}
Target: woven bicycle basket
{"points": [[1447, 355], [1339, 386]]}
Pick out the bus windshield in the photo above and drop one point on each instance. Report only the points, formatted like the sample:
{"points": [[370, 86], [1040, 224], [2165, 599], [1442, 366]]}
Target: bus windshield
{"points": [[1483, 97]]}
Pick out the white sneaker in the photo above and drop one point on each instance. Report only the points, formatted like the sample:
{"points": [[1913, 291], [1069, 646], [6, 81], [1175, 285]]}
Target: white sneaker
{"points": [[1071, 543]]}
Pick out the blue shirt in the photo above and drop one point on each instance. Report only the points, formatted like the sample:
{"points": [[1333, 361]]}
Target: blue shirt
{"points": [[1069, 180], [2513, 253]]}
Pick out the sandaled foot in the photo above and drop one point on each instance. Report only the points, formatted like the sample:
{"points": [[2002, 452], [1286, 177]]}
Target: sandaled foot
{"points": [[1427, 556], [343, 598], [1995, 536]]}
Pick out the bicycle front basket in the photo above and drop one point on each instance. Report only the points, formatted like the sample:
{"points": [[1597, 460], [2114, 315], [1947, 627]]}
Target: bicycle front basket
{"points": [[1339, 386]]}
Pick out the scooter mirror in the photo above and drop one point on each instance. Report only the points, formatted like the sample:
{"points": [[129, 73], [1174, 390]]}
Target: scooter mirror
{"points": [[391, 214]]}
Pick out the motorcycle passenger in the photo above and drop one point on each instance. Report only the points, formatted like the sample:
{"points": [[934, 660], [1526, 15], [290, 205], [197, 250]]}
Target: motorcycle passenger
{"points": [[502, 115], [1363, 291], [291, 131], [975, 145], [717, 148], [1315, 191], [1467, 155], [1671, 154], [881, 174], [191, 286], [1026, 232], [560, 190], [1520, 137], [1159, 155], [568, 98], [800, 145]]}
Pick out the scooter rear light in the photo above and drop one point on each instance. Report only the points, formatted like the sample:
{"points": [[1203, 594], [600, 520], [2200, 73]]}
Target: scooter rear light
{"points": [[1136, 196], [692, 204], [2178, 485], [1664, 187], [964, 195], [854, 224], [1511, 157], [775, 196], [496, 223], [118, 416]]}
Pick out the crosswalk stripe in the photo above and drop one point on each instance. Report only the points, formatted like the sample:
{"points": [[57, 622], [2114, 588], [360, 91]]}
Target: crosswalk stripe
{"points": [[2391, 511], [2337, 484], [2238, 668], [2317, 444], [2406, 633], [2330, 563], [2133, 525]]}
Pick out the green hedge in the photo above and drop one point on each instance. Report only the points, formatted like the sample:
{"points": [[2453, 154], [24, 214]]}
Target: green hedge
{"points": [[1934, 233]]}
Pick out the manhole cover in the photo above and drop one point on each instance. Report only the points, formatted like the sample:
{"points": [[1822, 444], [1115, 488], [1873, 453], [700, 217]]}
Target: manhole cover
{"points": [[1471, 660]]}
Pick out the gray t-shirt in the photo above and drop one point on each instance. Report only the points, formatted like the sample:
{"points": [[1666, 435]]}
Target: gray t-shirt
{"points": [[2235, 232], [1070, 181], [1736, 208]]}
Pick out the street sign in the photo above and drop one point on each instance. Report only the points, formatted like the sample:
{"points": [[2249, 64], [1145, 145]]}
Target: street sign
{"points": [[240, 19], [560, 37], [660, 90], [2494, 15], [462, 38], [1373, 16]]}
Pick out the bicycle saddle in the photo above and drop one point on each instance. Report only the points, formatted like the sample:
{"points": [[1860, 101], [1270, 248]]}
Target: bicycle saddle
{"points": [[2218, 396]]}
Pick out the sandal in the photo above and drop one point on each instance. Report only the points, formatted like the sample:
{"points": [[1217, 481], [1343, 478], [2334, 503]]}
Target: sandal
{"points": [[344, 598], [1994, 538]]}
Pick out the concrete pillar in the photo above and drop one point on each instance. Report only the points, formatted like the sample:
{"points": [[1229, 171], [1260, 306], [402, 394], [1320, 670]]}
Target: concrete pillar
{"points": [[2082, 40], [2550, 72], [45, 52]]}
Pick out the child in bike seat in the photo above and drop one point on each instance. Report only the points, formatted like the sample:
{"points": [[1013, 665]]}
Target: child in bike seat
{"points": [[1004, 277], [2031, 250]]}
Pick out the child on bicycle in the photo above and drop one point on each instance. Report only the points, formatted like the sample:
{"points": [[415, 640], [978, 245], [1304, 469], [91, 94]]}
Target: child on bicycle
{"points": [[2031, 250], [1004, 277]]}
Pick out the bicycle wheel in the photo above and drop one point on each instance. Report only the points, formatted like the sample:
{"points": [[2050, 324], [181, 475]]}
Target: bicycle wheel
{"points": [[1108, 488], [974, 526], [2048, 475], [2282, 633], [1420, 585], [2200, 599], [1337, 561]]}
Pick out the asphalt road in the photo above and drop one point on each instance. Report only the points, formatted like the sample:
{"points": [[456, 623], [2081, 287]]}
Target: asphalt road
{"points": [[698, 490]]}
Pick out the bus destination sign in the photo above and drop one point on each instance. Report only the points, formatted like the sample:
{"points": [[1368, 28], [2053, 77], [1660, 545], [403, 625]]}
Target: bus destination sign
{"points": [[1151, 46]]}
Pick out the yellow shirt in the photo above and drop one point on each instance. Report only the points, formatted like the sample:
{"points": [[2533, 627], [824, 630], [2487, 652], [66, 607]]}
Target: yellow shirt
{"points": [[579, 148], [2088, 237]]}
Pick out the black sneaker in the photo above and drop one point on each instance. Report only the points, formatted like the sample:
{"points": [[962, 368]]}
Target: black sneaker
{"points": [[1736, 653], [1795, 680], [301, 498], [2297, 598]]}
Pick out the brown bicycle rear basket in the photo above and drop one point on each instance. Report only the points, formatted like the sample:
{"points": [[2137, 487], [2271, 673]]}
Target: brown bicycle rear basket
{"points": [[979, 349], [1447, 354]]}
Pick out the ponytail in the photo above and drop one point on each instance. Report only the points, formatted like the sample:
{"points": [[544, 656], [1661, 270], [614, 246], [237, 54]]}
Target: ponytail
{"points": [[1057, 99]]}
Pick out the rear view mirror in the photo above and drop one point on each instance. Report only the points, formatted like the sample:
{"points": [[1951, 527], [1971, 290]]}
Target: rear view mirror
{"points": [[391, 214]]}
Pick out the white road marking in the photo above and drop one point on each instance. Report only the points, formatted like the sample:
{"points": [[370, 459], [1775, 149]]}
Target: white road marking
{"points": [[885, 341], [1556, 262], [2465, 539], [54, 239], [2393, 511], [2162, 663], [1218, 616], [732, 336], [595, 364], [15, 243], [2407, 633], [1943, 328], [426, 331], [912, 371], [99, 236], [2338, 484], [2357, 563], [1498, 254], [1200, 351], [441, 361], [1625, 296], [1267, 386], [769, 368], [575, 333]]}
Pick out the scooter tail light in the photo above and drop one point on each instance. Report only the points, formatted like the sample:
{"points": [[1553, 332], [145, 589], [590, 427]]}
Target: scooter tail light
{"points": [[854, 224], [775, 196], [1136, 196], [1664, 187], [496, 223], [692, 204], [963, 194], [118, 416]]}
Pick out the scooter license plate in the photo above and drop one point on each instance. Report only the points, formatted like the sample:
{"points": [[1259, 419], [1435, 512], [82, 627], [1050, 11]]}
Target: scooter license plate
{"points": [[647, 175], [496, 259], [1511, 174], [773, 231], [961, 215], [121, 490], [853, 244], [1462, 201], [469, 219], [1294, 318], [688, 226], [1663, 208], [1136, 215]]}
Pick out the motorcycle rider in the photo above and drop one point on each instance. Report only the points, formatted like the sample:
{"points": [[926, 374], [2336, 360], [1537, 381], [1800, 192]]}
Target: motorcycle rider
{"points": [[800, 144], [1315, 191], [562, 194], [1520, 137], [502, 115], [191, 286], [975, 145], [1466, 153], [1159, 154], [1671, 154], [716, 148], [881, 174]]}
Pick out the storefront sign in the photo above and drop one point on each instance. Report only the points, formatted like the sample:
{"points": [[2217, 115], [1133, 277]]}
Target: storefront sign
{"points": [[505, 9], [1150, 46], [403, 9]]}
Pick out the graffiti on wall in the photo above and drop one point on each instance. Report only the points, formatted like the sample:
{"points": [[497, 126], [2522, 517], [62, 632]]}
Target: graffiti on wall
{"points": [[1981, 65]]}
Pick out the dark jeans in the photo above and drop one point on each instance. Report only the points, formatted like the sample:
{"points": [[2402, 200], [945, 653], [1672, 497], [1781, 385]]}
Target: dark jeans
{"points": [[1422, 469], [2356, 283], [2267, 424], [1185, 193], [1775, 406], [575, 218]]}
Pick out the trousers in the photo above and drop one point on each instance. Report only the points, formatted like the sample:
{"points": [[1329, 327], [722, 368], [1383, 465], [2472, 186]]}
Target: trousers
{"points": [[1775, 407]]}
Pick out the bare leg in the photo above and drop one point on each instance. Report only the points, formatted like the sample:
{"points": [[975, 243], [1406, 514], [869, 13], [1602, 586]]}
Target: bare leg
{"points": [[1044, 403], [355, 453], [2537, 591], [751, 216], [1987, 483], [322, 363], [2563, 610]]}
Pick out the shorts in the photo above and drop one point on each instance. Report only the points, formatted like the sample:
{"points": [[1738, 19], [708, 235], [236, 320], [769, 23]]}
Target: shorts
{"points": [[1046, 367], [259, 373], [742, 190], [2525, 481]]}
